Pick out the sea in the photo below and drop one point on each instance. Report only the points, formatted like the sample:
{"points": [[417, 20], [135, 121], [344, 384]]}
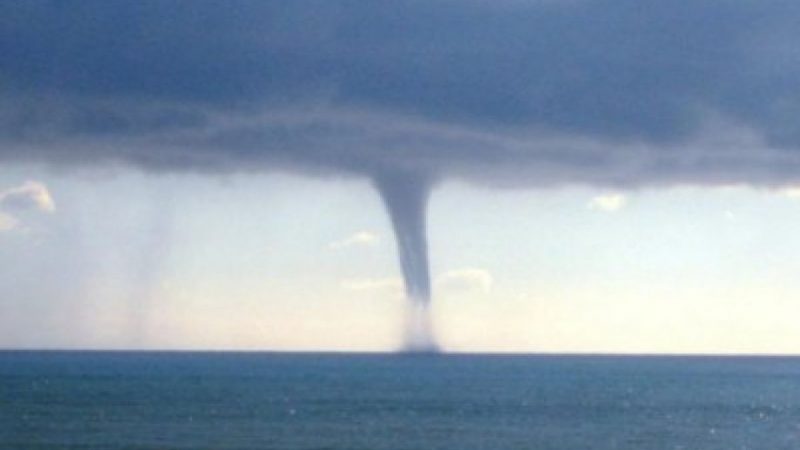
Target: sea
{"points": [[174, 400]]}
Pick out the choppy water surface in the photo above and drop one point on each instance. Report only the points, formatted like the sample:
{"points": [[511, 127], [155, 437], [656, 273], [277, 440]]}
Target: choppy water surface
{"points": [[375, 402]]}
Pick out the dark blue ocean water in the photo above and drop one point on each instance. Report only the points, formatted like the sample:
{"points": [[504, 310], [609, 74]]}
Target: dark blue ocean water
{"points": [[86, 400]]}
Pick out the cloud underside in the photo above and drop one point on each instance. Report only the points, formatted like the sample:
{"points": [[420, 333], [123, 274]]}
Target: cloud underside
{"points": [[612, 93], [344, 142]]}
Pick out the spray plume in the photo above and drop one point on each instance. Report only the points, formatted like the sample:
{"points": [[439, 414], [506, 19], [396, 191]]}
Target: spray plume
{"points": [[406, 198]]}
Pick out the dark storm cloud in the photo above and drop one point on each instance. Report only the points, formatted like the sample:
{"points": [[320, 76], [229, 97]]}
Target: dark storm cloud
{"points": [[539, 92]]}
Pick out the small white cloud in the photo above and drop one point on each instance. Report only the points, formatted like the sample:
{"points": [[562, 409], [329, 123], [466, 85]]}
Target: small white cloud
{"points": [[608, 202], [361, 238], [7, 223], [792, 192], [31, 195], [467, 279], [392, 284]]}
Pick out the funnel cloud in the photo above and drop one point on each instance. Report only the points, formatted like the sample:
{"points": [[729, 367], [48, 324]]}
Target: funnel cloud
{"points": [[406, 198]]}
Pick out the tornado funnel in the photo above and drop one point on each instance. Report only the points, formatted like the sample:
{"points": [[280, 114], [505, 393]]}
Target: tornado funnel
{"points": [[406, 198]]}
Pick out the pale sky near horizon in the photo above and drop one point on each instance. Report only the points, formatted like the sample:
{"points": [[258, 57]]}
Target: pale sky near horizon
{"points": [[279, 262]]}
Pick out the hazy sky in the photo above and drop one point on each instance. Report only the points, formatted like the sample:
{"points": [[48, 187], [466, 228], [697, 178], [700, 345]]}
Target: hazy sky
{"points": [[283, 262], [612, 176]]}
